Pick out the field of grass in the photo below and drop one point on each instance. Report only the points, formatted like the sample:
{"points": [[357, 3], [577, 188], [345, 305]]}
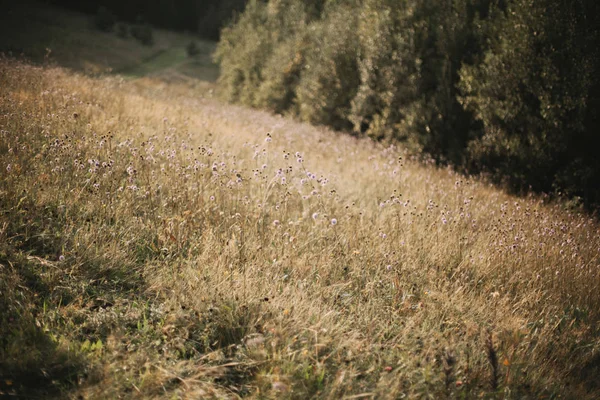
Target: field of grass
{"points": [[155, 244]]}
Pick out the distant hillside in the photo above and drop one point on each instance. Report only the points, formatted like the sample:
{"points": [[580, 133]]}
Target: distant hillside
{"points": [[48, 34]]}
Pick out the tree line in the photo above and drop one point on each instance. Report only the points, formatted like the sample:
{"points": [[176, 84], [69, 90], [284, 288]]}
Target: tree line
{"points": [[508, 88], [205, 17]]}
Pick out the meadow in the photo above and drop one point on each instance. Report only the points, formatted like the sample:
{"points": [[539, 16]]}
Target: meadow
{"points": [[158, 244]]}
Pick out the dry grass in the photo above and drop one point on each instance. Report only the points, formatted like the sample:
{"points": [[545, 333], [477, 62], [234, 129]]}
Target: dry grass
{"points": [[155, 244]]}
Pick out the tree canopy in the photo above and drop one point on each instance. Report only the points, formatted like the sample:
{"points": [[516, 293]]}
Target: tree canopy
{"points": [[503, 87]]}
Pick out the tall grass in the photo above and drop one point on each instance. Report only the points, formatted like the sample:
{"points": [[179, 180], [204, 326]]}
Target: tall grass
{"points": [[155, 244]]}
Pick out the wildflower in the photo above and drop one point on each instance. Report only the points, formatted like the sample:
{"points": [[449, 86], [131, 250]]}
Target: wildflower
{"points": [[268, 139], [388, 267], [8, 168], [280, 386], [212, 198], [315, 215], [61, 258], [276, 222], [334, 221]]}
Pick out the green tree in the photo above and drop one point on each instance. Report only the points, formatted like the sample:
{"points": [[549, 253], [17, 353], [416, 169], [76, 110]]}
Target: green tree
{"points": [[387, 69], [330, 78], [504, 86], [534, 93], [255, 53]]}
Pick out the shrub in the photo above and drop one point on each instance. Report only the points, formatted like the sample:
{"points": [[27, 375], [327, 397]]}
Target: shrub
{"points": [[213, 15], [247, 49], [192, 49], [282, 74], [506, 87], [142, 31], [534, 93], [122, 30], [386, 87], [241, 52], [331, 77]]}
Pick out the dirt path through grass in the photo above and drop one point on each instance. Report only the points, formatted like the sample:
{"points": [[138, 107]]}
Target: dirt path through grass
{"points": [[176, 60]]}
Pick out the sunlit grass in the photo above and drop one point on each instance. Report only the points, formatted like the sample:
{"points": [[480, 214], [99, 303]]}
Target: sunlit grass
{"points": [[155, 244]]}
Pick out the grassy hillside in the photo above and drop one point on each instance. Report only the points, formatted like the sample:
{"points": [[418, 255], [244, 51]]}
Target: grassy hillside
{"points": [[154, 244], [46, 34]]}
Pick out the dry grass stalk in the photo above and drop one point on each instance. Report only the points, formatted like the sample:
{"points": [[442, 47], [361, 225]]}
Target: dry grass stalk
{"points": [[163, 245]]}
